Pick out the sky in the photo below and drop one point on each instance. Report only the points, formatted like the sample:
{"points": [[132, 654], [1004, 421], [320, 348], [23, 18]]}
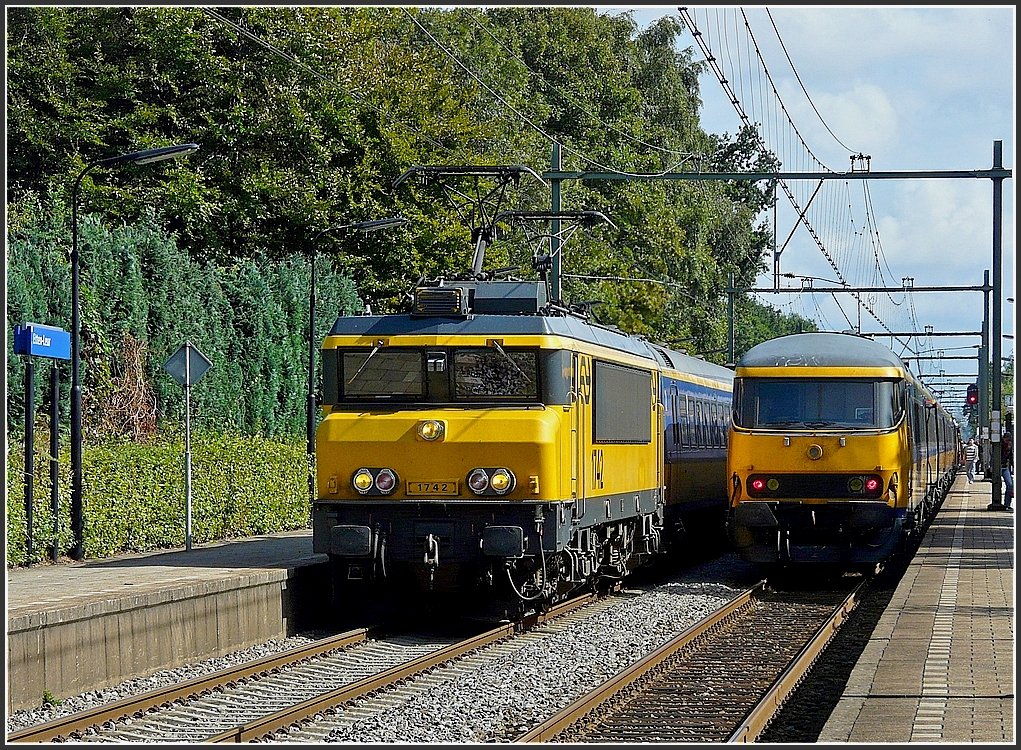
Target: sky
{"points": [[917, 89]]}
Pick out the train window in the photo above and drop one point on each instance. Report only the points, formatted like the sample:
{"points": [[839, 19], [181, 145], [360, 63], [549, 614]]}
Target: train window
{"points": [[689, 422], [619, 393], [382, 374], [700, 440], [556, 370], [495, 373], [675, 414], [331, 384], [817, 402]]}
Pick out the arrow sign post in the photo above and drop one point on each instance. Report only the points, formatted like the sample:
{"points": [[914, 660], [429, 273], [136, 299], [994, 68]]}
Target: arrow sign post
{"points": [[187, 366]]}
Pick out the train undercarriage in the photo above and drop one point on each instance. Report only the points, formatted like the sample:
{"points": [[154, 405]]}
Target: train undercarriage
{"points": [[517, 560], [850, 533]]}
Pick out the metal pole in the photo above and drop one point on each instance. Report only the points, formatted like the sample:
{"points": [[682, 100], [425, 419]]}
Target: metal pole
{"points": [[187, 446], [983, 406], [983, 379], [730, 319], [77, 520], [554, 243], [776, 252], [997, 364], [55, 457], [29, 453], [147, 156], [310, 409]]}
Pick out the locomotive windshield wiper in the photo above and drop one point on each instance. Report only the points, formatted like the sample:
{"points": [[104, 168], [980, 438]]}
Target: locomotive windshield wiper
{"points": [[820, 423], [513, 363], [359, 372]]}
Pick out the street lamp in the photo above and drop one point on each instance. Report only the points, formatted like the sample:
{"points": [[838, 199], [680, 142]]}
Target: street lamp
{"points": [[310, 419], [148, 156]]}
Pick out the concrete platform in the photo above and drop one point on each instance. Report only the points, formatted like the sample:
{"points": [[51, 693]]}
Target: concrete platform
{"points": [[80, 626], [939, 666]]}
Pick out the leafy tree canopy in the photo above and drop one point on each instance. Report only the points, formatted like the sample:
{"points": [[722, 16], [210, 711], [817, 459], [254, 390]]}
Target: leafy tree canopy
{"points": [[305, 116]]}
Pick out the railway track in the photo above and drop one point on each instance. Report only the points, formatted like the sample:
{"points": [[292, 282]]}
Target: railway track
{"points": [[253, 700], [722, 680], [713, 682]]}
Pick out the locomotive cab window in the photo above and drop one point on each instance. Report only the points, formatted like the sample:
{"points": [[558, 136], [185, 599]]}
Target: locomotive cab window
{"points": [[381, 374], [496, 373], [439, 375], [810, 403]]}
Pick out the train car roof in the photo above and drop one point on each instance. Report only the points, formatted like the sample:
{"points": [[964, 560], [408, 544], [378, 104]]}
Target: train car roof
{"points": [[821, 349], [527, 325]]}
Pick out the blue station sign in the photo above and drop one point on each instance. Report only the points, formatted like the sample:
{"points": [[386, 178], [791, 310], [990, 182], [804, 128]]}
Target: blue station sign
{"points": [[39, 340]]}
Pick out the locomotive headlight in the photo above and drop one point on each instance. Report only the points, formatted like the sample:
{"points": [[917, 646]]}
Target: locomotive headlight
{"points": [[430, 430], [386, 480], [855, 484], [478, 481], [773, 484], [362, 481], [502, 481]]}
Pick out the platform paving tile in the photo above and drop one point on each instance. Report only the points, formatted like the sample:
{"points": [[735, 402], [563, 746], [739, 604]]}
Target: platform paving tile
{"points": [[939, 666]]}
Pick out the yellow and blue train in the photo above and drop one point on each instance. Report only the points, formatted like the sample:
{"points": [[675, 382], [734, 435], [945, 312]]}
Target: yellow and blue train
{"points": [[489, 441], [838, 452]]}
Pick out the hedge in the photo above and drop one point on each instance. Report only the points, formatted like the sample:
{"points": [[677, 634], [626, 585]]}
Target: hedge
{"points": [[134, 493]]}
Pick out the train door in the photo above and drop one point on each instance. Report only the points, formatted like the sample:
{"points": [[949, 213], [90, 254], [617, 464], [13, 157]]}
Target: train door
{"points": [[581, 389], [659, 433]]}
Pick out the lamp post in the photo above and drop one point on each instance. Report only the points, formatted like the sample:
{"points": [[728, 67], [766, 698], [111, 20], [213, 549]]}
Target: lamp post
{"points": [[148, 156], [310, 412]]}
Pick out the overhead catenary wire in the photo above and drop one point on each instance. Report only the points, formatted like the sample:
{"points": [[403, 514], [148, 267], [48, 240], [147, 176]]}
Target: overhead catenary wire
{"points": [[802, 84], [844, 248], [553, 138], [745, 88], [567, 97]]}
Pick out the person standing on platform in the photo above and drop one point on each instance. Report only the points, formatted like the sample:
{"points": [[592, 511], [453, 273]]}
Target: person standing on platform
{"points": [[1007, 469], [970, 457]]}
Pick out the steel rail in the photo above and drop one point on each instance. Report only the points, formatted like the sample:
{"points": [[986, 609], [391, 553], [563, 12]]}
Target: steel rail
{"points": [[763, 712], [133, 705], [259, 728], [560, 721]]}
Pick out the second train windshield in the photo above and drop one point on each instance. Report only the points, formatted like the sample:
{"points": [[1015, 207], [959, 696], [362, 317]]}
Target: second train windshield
{"points": [[812, 403]]}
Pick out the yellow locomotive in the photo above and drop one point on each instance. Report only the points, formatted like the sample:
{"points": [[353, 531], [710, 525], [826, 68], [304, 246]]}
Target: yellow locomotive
{"points": [[837, 451], [489, 442]]}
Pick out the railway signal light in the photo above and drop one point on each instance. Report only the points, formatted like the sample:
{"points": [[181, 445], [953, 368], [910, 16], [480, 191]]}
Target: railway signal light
{"points": [[971, 398]]}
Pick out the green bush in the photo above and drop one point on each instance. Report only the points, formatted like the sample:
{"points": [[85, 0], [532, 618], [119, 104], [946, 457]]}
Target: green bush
{"points": [[134, 494]]}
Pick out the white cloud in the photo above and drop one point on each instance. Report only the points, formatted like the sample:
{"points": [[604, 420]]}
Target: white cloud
{"points": [[943, 227], [862, 117]]}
